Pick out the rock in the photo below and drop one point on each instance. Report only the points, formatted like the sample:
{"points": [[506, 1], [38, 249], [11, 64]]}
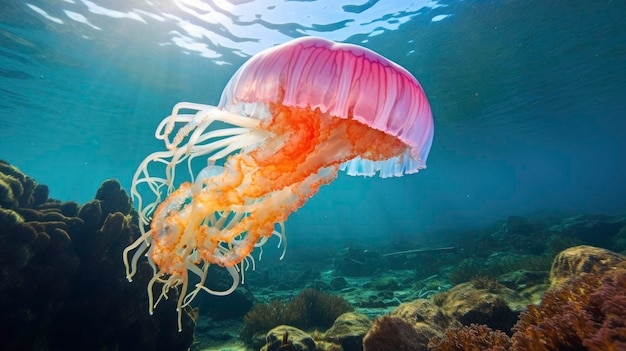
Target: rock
{"points": [[517, 225], [522, 279], [286, 338], [231, 306], [619, 241], [409, 327], [493, 305], [422, 312], [338, 283], [529, 284], [349, 330], [385, 283], [580, 260], [596, 230], [392, 333], [355, 262]]}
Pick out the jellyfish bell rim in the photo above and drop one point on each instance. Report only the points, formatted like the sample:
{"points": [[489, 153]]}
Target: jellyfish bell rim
{"points": [[266, 79]]}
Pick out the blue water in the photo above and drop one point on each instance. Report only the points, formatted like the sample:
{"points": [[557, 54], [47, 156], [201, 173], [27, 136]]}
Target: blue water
{"points": [[527, 96]]}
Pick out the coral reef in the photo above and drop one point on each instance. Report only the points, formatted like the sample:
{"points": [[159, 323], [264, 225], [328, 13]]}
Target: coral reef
{"points": [[471, 338], [580, 260], [409, 327], [309, 309], [62, 280], [585, 312]]}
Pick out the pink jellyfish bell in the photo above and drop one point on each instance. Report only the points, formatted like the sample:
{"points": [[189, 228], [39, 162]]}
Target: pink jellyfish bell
{"points": [[298, 113]]}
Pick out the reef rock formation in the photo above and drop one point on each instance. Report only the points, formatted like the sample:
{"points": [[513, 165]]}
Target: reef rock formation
{"points": [[580, 260], [484, 301], [409, 327], [584, 310], [62, 280], [286, 338], [348, 331]]}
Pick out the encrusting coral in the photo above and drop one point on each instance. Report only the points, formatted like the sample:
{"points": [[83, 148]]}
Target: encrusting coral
{"points": [[62, 282]]}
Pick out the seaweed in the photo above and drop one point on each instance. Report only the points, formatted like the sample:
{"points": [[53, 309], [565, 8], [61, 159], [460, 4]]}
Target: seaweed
{"points": [[309, 309]]}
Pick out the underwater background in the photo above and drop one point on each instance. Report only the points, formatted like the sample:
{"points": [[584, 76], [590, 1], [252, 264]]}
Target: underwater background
{"points": [[527, 98]]}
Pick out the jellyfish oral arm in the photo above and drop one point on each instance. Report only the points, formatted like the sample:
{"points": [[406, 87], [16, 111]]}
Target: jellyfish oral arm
{"points": [[190, 141], [192, 138]]}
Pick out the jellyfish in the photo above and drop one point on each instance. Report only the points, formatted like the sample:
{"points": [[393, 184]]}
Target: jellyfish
{"points": [[288, 121]]}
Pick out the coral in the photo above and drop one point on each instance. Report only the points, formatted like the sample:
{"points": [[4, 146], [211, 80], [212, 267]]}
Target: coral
{"points": [[608, 306], [439, 298], [465, 271], [409, 327], [318, 309], [22, 186], [585, 313], [263, 317], [486, 283], [582, 259], [470, 338], [391, 333], [113, 198], [309, 309], [424, 312], [62, 282]]}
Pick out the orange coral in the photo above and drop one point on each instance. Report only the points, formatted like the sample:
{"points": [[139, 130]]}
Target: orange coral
{"points": [[587, 313], [469, 338]]}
